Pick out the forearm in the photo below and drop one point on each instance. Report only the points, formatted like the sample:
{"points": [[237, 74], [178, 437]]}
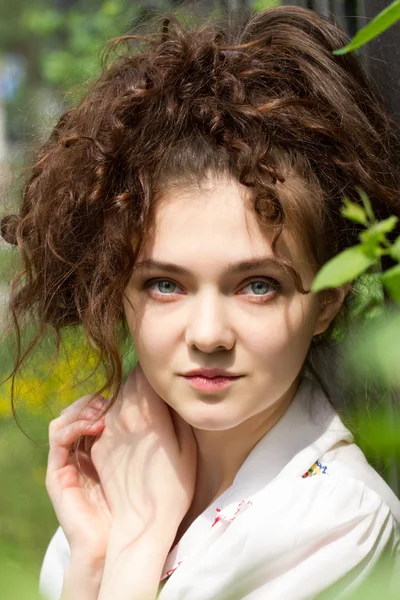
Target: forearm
{"points": [[133, 565], [82, 579]]}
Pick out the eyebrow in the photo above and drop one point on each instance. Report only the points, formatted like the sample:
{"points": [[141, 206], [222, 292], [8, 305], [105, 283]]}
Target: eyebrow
{"points": [[234, 268]]}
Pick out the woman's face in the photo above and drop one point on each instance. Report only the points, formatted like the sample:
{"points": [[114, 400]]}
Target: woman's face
{"points": [[251, 322]]}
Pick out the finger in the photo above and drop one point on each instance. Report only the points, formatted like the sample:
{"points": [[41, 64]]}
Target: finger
{"points": [[79, 408], [88, 442], [85, 414], [83, 461], [88, 414], [85, 442], [87, 400], [61, 441]]}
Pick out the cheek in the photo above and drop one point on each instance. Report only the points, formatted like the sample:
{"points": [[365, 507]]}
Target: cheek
{"points": [[154, 344], [152, 339], [285, 334]]}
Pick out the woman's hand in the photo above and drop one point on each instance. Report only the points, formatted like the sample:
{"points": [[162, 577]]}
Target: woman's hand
{"points": [[146, 459], [72, 481]]}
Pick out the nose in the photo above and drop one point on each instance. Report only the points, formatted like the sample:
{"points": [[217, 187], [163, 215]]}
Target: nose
{"points": [[208, 328]]}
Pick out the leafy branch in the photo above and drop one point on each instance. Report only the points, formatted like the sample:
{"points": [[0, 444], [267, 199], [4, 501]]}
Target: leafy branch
{"points": [[356, 260]]}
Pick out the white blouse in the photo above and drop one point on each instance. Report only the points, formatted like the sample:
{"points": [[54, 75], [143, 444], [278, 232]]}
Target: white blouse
{"points": [[305, 514]]}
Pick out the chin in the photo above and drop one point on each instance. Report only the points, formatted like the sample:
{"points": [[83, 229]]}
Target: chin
{"points": [[208, 420]]}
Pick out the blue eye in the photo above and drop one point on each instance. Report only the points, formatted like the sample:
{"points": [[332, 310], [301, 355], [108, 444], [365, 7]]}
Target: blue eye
{"points": [[151, 282], [261, 287]]}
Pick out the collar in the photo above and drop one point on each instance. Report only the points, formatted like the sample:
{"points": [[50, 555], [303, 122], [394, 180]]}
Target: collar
{"points": [[309, 427]]}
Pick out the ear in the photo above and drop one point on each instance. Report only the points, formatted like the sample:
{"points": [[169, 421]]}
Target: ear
{"points": [[331, 302]]}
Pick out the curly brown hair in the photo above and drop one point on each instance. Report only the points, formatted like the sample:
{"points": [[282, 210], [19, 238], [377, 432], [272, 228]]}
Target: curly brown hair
{"points": [[265, 102]]}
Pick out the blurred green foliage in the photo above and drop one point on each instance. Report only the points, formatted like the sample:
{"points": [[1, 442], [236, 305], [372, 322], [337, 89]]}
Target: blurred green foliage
{"points": [[80, 32], [10, 261], [27, 519], [264, 4], [43, 388], [62, 46], [371, 347], [71, 31]]}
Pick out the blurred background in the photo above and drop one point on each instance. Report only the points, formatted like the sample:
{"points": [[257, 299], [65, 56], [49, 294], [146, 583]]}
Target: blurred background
{"points": [[49, 52]]}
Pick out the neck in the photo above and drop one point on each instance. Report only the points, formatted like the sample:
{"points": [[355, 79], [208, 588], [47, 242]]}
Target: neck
{"points": [[222, 453]]}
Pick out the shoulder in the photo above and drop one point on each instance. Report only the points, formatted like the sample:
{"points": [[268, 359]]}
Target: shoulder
{"points": [[295, 539], [320, 504], [322, 530], [347, 461], [54, 564]]}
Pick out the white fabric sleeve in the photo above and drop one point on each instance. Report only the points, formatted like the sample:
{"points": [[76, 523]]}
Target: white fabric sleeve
{"points": [[54, 564], [301, 537]]}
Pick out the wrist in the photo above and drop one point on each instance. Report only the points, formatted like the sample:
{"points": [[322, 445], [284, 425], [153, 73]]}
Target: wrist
{"points": [[133, 565], [86, 561], [82, 578], [160, 534]]}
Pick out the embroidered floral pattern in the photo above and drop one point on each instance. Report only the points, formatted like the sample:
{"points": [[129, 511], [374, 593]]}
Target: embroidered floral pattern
{"points": [[317, 469], [217, 518], [243, 504]]}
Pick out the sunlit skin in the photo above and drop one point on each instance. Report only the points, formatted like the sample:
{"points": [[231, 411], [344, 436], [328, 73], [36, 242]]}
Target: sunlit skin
{"points": [[253, 323]]}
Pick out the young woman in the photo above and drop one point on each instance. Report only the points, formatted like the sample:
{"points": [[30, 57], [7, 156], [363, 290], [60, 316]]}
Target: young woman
{"points": [[192, 196]]}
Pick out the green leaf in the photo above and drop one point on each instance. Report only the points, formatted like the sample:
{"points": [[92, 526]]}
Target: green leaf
{"points": [[391, 281], [386, 225], [367, 204], [374, 235], [343, 268], [353, 212], [380, 23], [395, 250]]}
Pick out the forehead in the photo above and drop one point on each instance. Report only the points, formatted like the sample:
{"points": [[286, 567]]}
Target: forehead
{"points": [[215, 223]]}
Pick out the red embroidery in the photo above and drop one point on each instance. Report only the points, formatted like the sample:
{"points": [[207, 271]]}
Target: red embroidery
{"points": [[169, 573], [222, 517], [238, 508], [216, 518], [219, 517]]}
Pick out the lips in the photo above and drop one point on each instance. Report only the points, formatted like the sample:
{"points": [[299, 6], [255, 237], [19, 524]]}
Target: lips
{"points": [[211, 373], [210, 384], [211, 378]]}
